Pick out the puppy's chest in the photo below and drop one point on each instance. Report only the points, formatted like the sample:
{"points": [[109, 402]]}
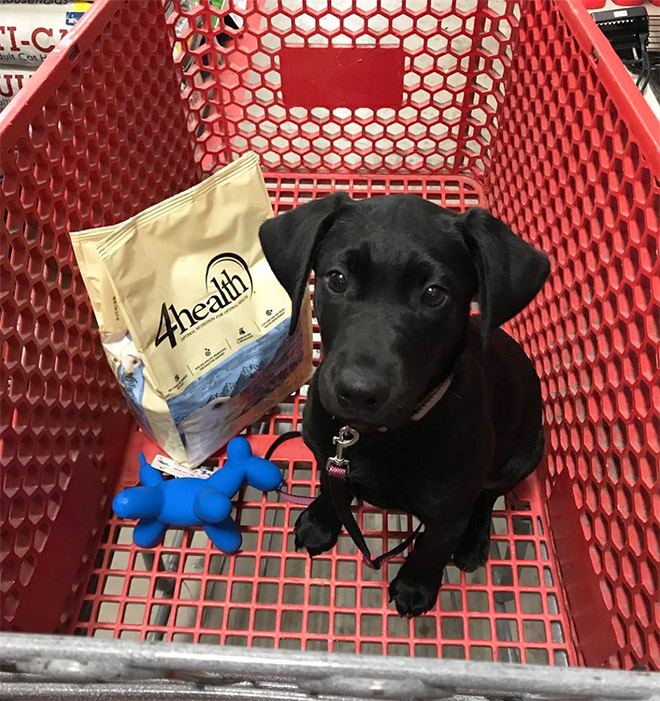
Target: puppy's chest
{"points": [[391, 479]]}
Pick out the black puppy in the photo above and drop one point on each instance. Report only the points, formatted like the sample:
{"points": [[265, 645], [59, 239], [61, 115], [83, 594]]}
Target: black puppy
{"points": [[448, 406]]}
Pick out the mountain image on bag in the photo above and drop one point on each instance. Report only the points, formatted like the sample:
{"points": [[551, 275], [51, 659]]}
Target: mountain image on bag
{"points": [[230, 377]]}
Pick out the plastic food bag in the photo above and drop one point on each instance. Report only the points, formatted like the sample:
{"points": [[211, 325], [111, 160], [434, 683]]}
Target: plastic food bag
{"points": [[192, 319]]}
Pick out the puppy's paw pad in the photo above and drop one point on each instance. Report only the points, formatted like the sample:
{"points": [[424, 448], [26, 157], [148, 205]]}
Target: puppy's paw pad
{"points": [[412, 598], [472, 558], [313, 535]]}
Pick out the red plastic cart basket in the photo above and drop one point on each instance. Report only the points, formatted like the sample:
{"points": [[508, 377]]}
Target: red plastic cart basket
{"points": [[521, 107]]}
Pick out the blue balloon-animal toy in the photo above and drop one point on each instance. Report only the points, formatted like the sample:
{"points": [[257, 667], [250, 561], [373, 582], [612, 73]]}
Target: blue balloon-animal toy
{"points": [[195, 501]]}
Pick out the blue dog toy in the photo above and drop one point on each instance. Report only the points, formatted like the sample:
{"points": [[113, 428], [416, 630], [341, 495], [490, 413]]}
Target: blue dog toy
{"points": [[195, 501]]}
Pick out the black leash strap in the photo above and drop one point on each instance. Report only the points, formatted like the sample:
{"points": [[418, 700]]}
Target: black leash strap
{"points": [[279, 440], [342, 496]]}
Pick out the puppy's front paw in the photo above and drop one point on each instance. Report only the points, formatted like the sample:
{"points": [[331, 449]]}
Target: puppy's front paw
{"points": [[314, 533], [472, 554], [412, 597]]}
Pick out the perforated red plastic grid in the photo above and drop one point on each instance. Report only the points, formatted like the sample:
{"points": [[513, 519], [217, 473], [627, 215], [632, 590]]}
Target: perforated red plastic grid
{"points": [[269, 595], [70, 160], [456, 55], [575, 172], [510, 188]]}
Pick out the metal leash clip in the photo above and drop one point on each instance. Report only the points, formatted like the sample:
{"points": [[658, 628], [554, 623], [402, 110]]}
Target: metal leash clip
{"points": [[337, 466]]}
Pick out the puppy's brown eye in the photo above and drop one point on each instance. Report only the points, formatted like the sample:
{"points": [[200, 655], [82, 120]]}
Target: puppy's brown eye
{"points": [[336, 281], [433, 296]]}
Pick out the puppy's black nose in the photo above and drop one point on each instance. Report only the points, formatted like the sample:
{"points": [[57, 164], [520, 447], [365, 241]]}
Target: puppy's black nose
{"points": [[361, 390]]}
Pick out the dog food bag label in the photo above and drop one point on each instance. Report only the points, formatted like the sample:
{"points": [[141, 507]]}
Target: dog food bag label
{"points": [[30, 31], [149, 409], [191, 316]]}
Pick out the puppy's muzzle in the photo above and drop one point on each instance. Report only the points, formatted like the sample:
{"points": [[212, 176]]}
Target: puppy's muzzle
{"points": [[360, 392]]}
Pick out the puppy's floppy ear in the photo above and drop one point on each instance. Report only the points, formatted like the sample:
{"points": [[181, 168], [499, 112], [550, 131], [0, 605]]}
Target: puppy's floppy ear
{"points": [[290, 241], [509, 270]]}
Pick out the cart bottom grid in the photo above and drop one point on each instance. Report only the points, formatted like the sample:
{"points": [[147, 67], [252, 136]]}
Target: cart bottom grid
{"points": [[271, 596]]}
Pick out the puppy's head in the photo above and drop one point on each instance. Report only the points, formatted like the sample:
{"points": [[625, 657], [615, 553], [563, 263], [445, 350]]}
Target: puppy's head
{"points": [[395, 276]]}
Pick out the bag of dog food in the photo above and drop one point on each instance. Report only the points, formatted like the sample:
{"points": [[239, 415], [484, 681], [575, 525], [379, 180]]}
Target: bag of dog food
{"points": [[191, 317]]}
